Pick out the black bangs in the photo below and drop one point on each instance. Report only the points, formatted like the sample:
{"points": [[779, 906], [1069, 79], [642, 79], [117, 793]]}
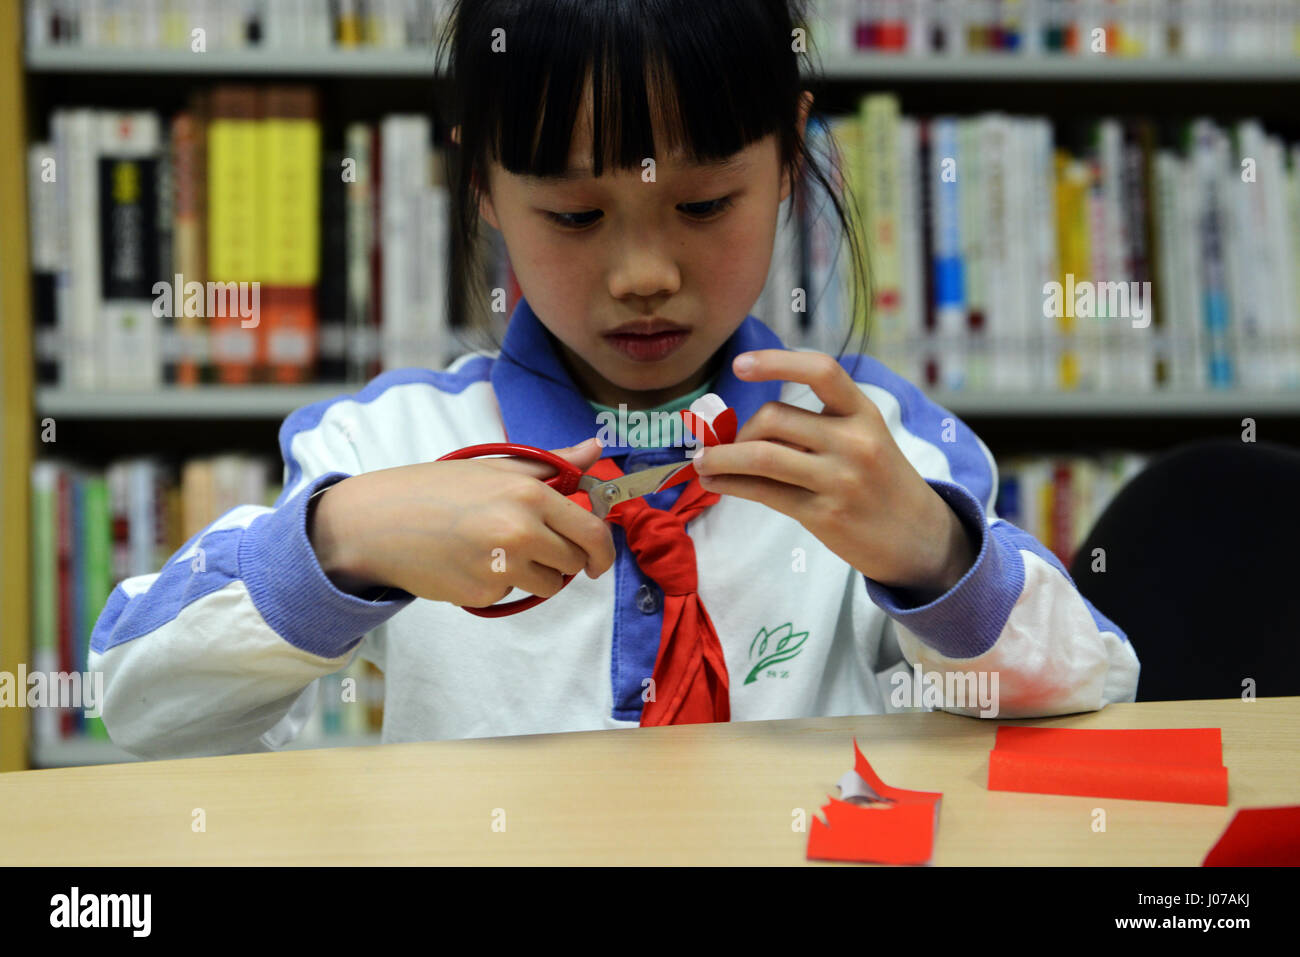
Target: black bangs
{"points": [[699, 73]]}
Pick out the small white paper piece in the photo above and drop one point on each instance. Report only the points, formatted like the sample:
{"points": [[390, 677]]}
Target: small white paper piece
{"points": [[854, 788]]}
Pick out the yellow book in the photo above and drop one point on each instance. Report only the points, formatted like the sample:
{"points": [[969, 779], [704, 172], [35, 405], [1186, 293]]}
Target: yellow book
{"points": [[1072, 244], [233, 175], [880, 180], [292, 200]]}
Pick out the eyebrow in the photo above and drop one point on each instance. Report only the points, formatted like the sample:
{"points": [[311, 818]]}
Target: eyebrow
{"points": [[728, 164]]}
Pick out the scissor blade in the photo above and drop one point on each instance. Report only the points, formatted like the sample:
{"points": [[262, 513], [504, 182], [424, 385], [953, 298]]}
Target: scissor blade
{"points": [[647, 481], [605, 495]]}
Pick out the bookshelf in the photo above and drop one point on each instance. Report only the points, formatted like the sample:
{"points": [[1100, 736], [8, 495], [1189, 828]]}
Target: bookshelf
{"points": [[32, 81], [867, 67]]}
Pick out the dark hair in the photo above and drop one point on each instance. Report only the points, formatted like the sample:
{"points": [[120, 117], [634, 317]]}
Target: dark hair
{"points": [[732, 62]]}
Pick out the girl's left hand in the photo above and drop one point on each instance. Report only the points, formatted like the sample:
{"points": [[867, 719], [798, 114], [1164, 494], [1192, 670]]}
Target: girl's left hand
{"points": [[840, 474]]}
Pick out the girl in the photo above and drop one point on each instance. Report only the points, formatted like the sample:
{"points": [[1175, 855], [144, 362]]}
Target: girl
{"points": [[633, 154]]}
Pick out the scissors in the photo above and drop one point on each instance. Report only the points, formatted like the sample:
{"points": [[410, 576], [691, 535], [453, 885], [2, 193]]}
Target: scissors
{"points": [[569, 480]]}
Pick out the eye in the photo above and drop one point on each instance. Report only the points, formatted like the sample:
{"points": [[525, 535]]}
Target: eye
{"points": [[711, 207], [572, 220]]}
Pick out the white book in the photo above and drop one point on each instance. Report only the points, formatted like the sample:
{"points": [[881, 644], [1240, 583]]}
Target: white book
{"points": [[141, 517], [1045, 330], [394, 204], [1110, 257], [1015, 358], [362, 345], [953, 16], [43, 208], [1193, 340], [438, 219], [974, 234], [78, 284], [946, 174], [425, 268], [994, 345], [38, 17], [1176, 334], [319, 25], [1278, 304], [394, 24], [918, 14]]}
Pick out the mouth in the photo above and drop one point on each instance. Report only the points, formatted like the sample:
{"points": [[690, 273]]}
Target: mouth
{"points": [[648, 346]]}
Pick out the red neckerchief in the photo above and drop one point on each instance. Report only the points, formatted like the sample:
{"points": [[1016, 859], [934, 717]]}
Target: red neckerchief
{"points": [[690, 675]]}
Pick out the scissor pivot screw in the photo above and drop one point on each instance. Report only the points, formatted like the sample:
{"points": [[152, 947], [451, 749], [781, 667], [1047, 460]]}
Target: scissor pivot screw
{"points": [[609, 493]]}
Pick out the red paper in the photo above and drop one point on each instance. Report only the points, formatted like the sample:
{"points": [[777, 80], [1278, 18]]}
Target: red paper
{"points": [[1259, 837], [722, 432], [1183, 765], [901, 832]]}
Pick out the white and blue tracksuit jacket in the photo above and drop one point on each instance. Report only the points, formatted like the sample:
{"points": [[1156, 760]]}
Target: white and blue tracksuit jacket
{"points": [[222, 655]]}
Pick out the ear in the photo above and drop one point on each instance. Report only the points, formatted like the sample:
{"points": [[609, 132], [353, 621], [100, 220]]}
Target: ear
{"points": [[486, 210], [805, 106]]}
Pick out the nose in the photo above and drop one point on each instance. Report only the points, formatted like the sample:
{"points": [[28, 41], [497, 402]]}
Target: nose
{"points": [[642, 266]]}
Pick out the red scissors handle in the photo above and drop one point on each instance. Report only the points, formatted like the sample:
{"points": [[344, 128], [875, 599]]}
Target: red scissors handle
{"points": [[565, 481]]}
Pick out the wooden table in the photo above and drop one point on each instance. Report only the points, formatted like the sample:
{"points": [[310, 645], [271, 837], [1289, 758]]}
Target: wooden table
{"points": [[696, 794]]}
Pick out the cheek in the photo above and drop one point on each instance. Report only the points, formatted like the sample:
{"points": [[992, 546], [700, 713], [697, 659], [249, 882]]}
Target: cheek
{"points": [[732, 261]]}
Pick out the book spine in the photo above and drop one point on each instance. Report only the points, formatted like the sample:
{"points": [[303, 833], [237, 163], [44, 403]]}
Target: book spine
{"points": [[131, 355], [291, 267], [949, 263], [236, 176], [45, 588], [96, 544]]}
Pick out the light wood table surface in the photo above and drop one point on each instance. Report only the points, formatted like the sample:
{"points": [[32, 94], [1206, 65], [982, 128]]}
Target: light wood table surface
{"points": [[694, 794]]}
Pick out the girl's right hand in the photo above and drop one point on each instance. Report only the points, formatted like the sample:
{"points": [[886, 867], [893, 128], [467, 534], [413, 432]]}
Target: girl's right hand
{"points": [[434, 529]]}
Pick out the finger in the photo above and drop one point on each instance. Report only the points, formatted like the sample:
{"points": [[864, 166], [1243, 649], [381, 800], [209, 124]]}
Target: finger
{"points": [[584, 530], [788, 424], [537, 579], [768, 460], [556, 551], [786, 499], [839, 393]]}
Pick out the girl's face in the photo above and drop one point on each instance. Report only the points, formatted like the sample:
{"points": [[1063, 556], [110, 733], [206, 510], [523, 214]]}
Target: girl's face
{"points": [[692, 245]]}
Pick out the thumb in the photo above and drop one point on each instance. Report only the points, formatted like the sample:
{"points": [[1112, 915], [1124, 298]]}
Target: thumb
{"points": [[582, 455], [585, 452]]}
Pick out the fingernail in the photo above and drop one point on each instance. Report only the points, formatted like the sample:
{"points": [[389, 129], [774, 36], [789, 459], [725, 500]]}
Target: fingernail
{"points": [[744, 362]]}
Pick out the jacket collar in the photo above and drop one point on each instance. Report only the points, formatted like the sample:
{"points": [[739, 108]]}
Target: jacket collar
{"points": [[541, 406]]}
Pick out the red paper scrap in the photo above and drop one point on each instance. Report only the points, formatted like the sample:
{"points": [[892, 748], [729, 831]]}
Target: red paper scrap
{"points": [[1183, 765], [710, 421], [900, 831], [1259, 837]]}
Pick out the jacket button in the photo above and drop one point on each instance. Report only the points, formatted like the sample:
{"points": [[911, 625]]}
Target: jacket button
{"points": [[647, 600]]}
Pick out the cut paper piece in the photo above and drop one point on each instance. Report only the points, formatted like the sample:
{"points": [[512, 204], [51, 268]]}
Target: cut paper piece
{"points": [[1183, 765], [898, 830], [1259, 837], [710, 421], [854, 788]]}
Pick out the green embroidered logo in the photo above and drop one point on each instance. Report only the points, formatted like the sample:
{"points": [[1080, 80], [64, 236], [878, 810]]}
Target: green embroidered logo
{"points": [[788, 644]]}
